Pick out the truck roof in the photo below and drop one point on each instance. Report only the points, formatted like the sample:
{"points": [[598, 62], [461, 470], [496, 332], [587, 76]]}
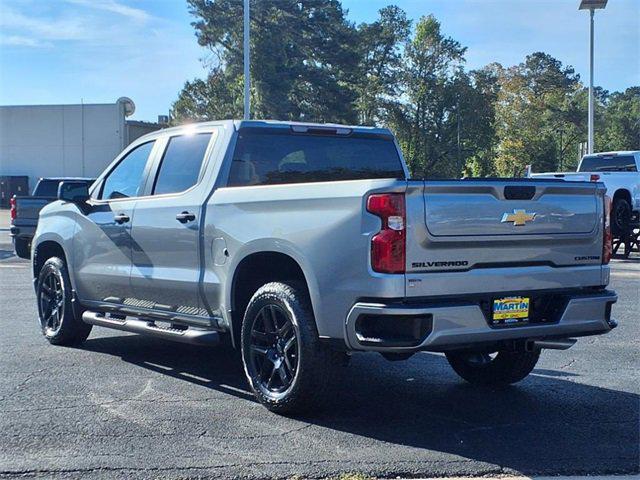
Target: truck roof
{"points": [[238, 124], [61, 179], [619, 152]]}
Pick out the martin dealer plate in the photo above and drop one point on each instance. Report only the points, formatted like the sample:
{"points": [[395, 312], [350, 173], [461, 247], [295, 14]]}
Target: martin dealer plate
{"points": [[510, 311]]}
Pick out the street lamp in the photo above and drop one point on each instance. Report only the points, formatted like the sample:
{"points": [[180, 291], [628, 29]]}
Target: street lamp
{"points": [[591, 5], [247, 79]]}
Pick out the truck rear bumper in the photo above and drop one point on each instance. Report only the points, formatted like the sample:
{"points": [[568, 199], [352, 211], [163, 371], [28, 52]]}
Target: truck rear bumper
{"points": [[447, 326], [22, 231]]}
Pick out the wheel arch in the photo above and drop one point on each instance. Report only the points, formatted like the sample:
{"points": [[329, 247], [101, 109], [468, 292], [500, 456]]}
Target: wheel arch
{"points": [[254, 270], [44, 250], [623, 193]]}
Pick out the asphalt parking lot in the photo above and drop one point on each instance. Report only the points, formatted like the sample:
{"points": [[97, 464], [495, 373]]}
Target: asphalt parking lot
{"points": [[125, 406]]}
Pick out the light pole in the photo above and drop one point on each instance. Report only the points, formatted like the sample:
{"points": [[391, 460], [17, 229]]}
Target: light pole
{"points": [[247, 79], [591, 5]]}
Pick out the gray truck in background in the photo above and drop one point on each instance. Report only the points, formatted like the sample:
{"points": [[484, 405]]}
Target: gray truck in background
{"points": [[300, 244], [24, 211]]}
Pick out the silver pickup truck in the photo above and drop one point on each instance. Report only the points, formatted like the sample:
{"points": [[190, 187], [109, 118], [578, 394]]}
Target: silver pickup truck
{"points": [[300, 244]]}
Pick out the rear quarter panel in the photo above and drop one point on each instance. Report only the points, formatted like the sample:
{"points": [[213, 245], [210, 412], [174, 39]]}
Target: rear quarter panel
{"points": [[617, 181], [323, 226]]}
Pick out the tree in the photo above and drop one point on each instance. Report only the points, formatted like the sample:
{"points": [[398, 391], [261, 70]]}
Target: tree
{"points": [[381, 63], [533, 103], [217, 97], [303, 59], [425, 123], [620, 126], [478, 129], [309, 63]]}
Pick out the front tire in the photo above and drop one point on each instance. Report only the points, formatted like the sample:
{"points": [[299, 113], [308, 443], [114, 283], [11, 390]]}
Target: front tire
{"points": [[503, 368], [287, 367], [58, 320]]}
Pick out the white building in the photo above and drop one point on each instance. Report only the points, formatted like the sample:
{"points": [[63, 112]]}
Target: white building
{"points": [[65, 140]]}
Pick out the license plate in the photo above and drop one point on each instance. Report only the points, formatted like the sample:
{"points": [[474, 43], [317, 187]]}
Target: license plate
{"points": [[510, 310]]}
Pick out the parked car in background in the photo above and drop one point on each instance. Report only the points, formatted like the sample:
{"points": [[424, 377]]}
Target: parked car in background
{"points": [[620, 173], [301, 243], [25, 210]]}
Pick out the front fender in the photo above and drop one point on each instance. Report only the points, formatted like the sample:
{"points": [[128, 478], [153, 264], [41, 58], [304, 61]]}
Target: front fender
{"points": [[57, 224]]}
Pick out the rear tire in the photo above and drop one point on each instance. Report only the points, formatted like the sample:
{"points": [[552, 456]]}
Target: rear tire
{"points": [[58, 321], [620, 217], [284, 361], [22, 248], [480, 368]]}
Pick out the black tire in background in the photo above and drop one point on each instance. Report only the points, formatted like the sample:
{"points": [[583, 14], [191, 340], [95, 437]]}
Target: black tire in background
{"points": [[503, 368], [287, 366], [22, 248], [620, 217], [58, 320]]}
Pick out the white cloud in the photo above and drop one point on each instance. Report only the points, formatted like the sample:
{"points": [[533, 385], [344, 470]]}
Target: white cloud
{"points": [[19, 41], [41, 28], [112, 6]]}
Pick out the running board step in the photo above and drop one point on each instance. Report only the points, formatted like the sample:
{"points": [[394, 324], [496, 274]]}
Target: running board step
{"points": [[191, 335]]}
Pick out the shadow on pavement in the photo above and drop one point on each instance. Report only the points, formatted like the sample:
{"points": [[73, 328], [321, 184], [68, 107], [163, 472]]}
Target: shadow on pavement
{"points": [[544, 425], [6, 254]]}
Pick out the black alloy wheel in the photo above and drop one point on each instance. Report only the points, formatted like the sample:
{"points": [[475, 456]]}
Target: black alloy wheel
{"points": [[274, 350], [60, 321], [287, 366], [51, 298]]}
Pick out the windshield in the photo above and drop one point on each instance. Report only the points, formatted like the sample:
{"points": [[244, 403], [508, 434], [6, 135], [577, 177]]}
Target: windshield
{"points": [[608, 163]]}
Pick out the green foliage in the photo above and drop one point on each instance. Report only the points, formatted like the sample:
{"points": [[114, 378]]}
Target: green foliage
{"points": [[426, 124], [308, 62], [620, 123], [303, 60], [381, 64], [532, 105]]}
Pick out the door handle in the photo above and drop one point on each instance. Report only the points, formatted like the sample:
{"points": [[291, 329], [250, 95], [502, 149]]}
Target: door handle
{"points": [[121, 218], [185, 217]]}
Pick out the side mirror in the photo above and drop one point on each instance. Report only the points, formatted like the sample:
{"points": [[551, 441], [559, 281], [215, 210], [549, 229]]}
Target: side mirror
{"points": [[75, 192]]}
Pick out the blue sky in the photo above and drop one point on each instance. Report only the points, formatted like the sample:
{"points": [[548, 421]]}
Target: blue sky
{"points": [[62, 51]]}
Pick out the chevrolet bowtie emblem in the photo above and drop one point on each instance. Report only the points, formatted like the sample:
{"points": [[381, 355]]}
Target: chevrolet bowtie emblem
{"points": [[518, 217]]}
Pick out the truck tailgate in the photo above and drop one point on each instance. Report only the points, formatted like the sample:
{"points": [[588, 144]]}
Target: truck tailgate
{"points": [[28, 208], [501, 235]]}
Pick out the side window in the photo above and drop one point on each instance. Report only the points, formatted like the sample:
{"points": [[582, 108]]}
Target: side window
{"points": [[181, 163], [125, 180]]}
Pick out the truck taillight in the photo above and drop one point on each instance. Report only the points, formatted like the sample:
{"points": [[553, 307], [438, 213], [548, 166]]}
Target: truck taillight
{"points": [[13, 212], [388, 245], [594, 177], [607, 240]]}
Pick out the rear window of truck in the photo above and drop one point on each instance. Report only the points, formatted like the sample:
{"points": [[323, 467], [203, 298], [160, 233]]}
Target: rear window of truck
{"points": [[46, 188], [608, 163], [266, 157]]}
